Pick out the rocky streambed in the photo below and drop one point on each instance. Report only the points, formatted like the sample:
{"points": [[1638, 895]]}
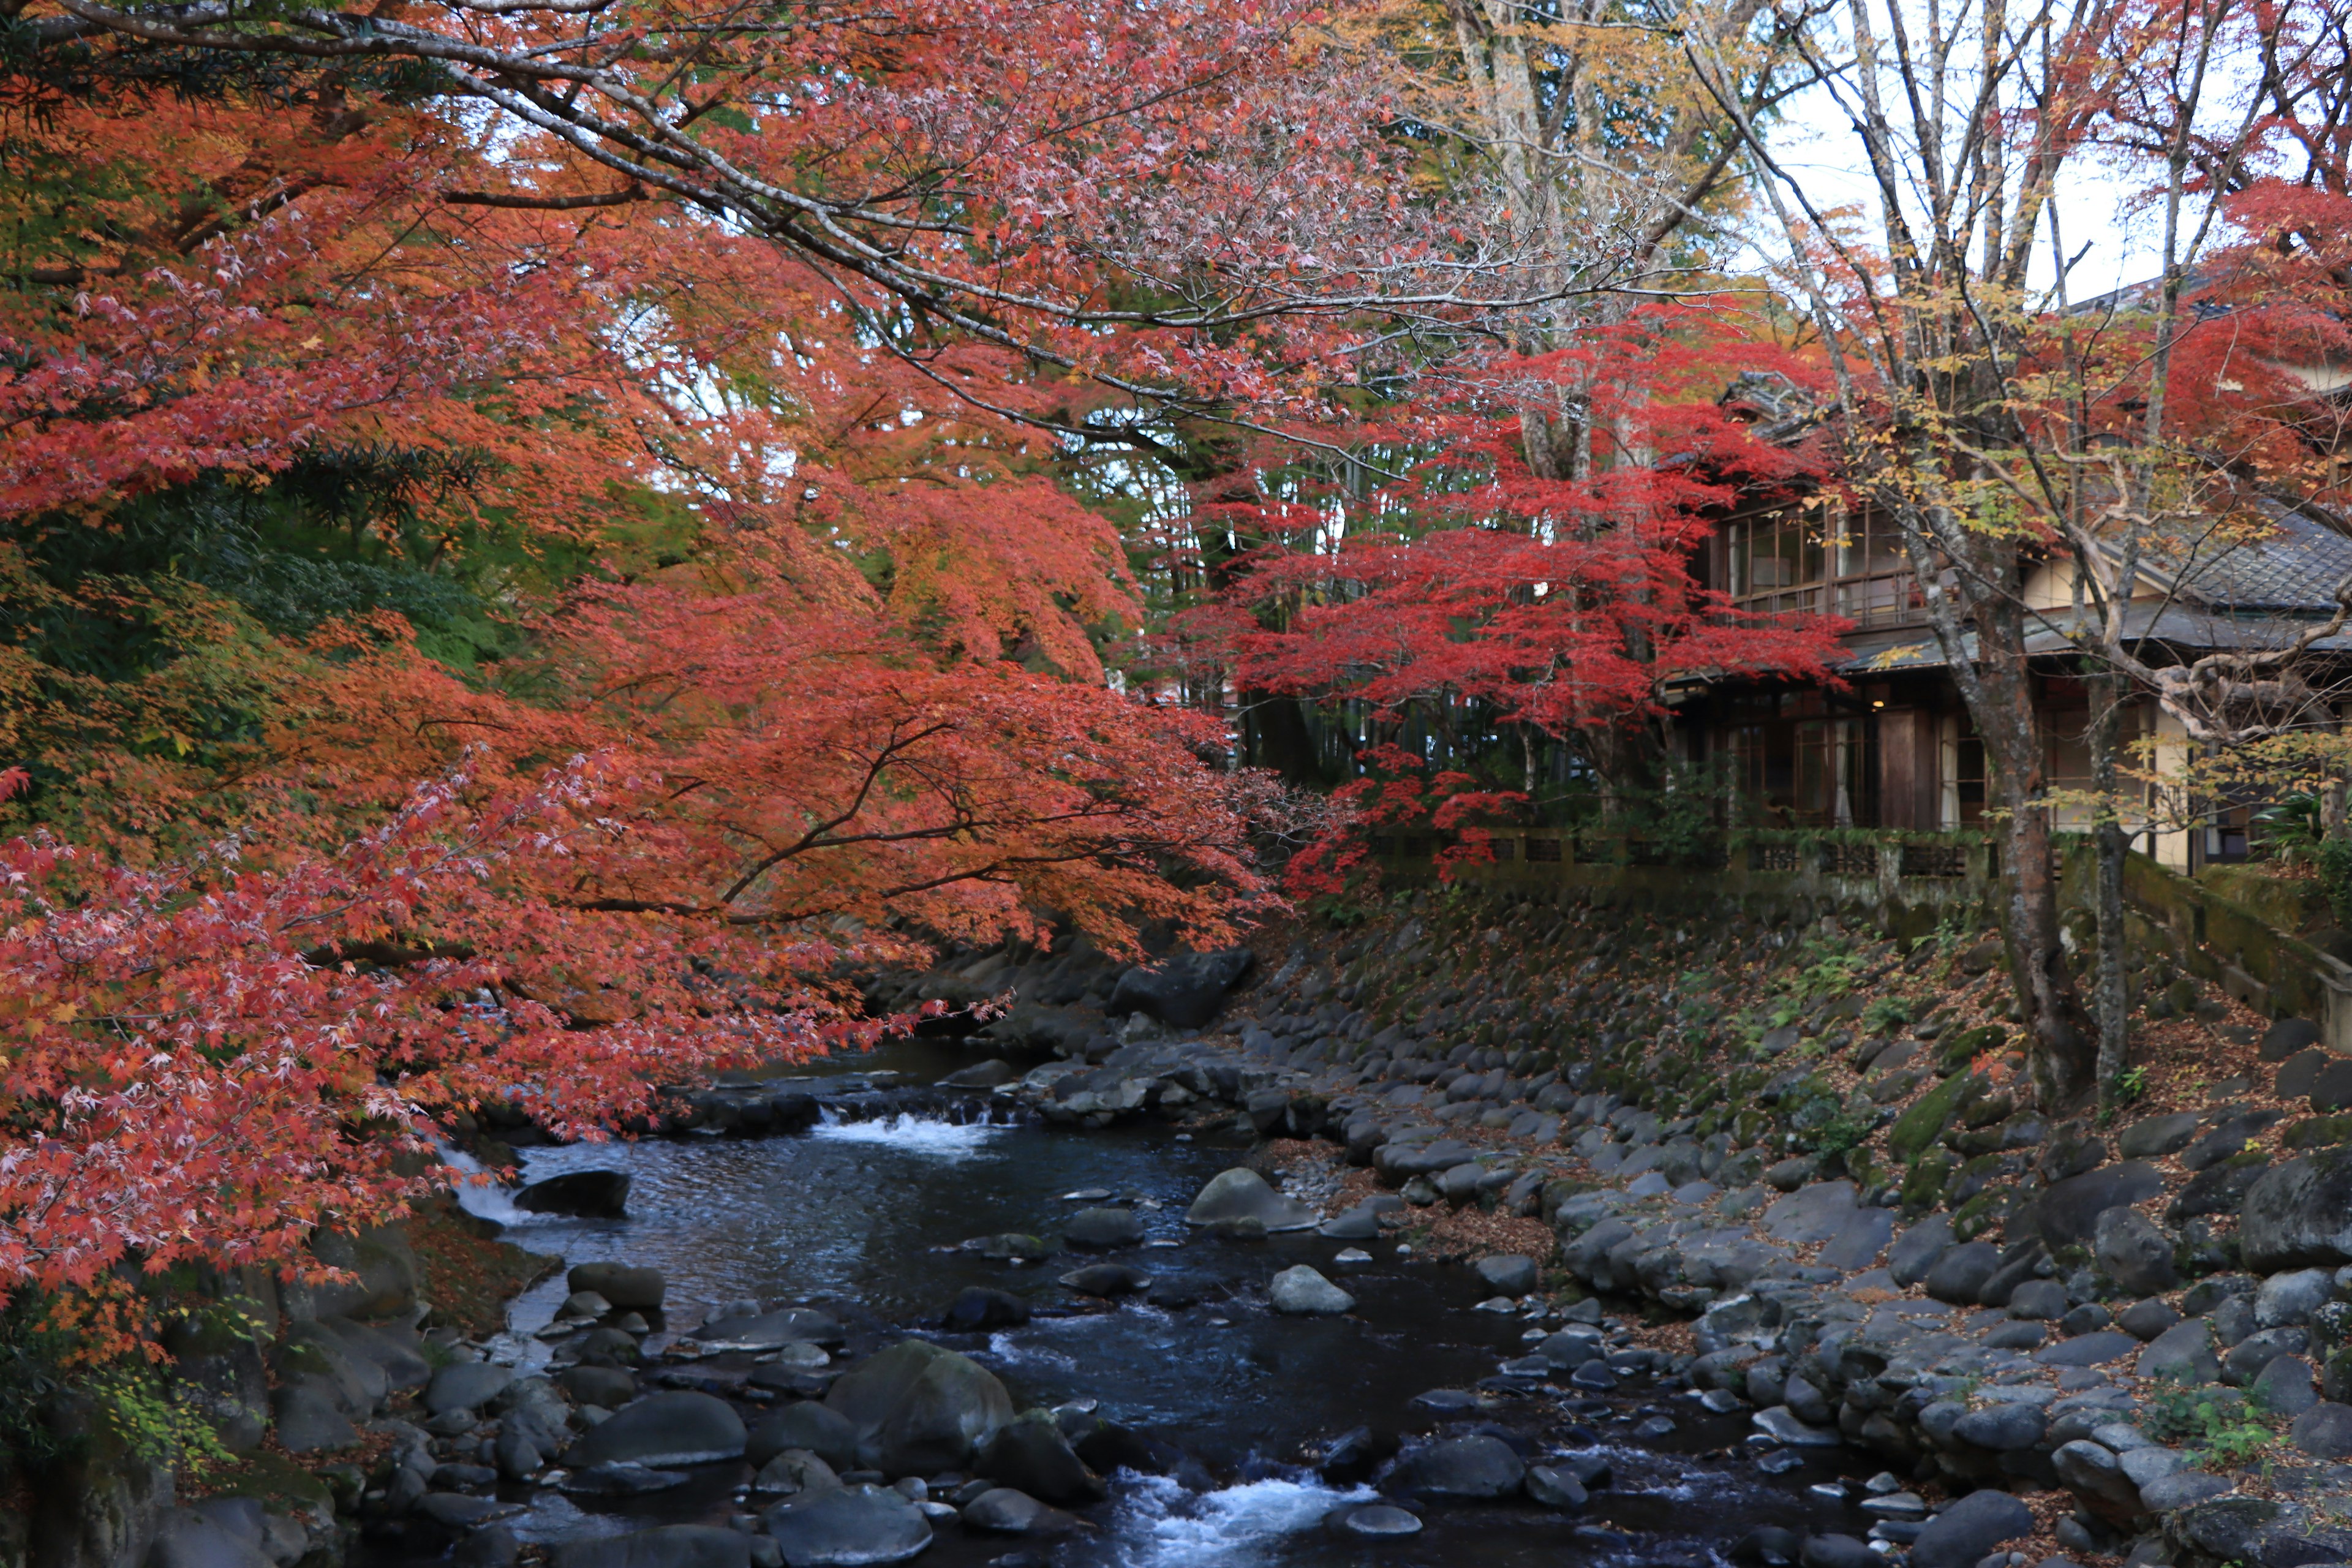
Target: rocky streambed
{"points": [[946, 1327]]}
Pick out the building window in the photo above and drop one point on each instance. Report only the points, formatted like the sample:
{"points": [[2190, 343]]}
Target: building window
{"points": [[1839, 562]]}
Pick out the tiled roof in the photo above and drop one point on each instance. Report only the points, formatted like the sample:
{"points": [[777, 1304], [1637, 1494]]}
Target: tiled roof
{"points": [[2295, 565]]}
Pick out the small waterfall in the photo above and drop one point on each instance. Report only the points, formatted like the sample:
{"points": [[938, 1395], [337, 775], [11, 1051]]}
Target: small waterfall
{"points": [[1162, 1525], [483, 1200], [919, 1134]]}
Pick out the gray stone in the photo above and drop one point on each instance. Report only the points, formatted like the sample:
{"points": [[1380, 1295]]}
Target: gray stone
{"points": [[1508, 1274], [1030, 1454], [1916, 1252], [2292, 1298], [855, 1527], [1859, 1241], [982, 1075], [623, 1480], [607, 1386], [1555, 1486], [186, 1538], [1242, 1194], [1836, 1551], [2158, 1136], [1103, 1230], [2323, 1431], [2094, 1473], [1373, 1521], [681, 1428], [2069, 1211], [670, 1546], [1300, 1292], [1355, 1225], [2039, 1300], [1781, 1422], [2134, 1254], [1961, 1274], [466, 1385], [1474, 1467], [919, 1408], [808, 1425], [309, 1419], [2088, 1349], [2182, 1488], [1008, 1510], [2147, 1317], [1107, 1280], [1813, 1214], [1969, 1529], [2286, 1387], [2287, 1035], [772, 1331], [794, 1472], [630, 1287], [2182, 1353], [978, 1308], [2002, 1427], [1184, 990]]}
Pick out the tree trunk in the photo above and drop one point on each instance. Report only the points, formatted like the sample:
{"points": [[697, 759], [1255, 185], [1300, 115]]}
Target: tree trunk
{"points": [[2112, 999]]}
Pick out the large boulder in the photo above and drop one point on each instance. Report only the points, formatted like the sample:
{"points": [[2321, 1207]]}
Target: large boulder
{"points": [[919, 1408], [1968, 1531], [1474, 1467], [672, 1428], [1030, 1455], [1300, 1292], [628, 1286], [186, 1538], [588, 1195], [855, 1527], [2134, 1254], [1104, 1229], [1184, 990], [466, 1385], [1244, 1194], [2299, 1214], [1007, 1511], [809, 1426], [2069, 1211]]}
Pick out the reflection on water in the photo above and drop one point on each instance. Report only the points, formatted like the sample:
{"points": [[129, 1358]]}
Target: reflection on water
{"points": [[865, 1213]]}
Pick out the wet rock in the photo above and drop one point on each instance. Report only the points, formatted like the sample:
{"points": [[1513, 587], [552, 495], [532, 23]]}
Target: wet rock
{"points": [[620, 1480], [1373, 1521], [1184, 990], [672, 1428], [1554, 1486], [1007, 1511], [2134, 1254], [587, 1195], [978, 1308], [919, 1408], [1357, 1455], [670, 1546], [1474, 1467], [1969, 1529], [466, 1385], [1030, 1455], [606, 1386], [628, 1286], [1765, 1546], [982, 1075], [1781, 1422], [806, 1425], [1300, 1292], [1355, 1225], [772, 1331], [1837, 1552], [855, 1527], [1242, 1194], [795, 1471], [1107, 1281], [1508, 1274], [1104, 1229]]}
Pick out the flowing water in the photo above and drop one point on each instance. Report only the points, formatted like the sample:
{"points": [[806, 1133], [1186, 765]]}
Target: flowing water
{"points": [[862, 1215]]}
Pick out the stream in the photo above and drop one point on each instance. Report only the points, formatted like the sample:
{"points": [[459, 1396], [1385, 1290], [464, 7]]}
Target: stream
{"points": [[861, 1216]]}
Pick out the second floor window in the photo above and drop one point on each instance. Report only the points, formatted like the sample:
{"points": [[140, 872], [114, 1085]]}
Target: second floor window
{"points": [[1827, 564]]}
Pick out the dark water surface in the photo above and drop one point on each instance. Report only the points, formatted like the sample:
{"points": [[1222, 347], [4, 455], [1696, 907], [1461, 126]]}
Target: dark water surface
{"points": [[862, 1215]]}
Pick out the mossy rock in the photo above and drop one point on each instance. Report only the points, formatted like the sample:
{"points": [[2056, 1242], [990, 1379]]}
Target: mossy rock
{"points": [[2319, 1133], [1922, 1188], [1980, 1213], [1750, 1125], [1964, 1048], [1916, 1130]]}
